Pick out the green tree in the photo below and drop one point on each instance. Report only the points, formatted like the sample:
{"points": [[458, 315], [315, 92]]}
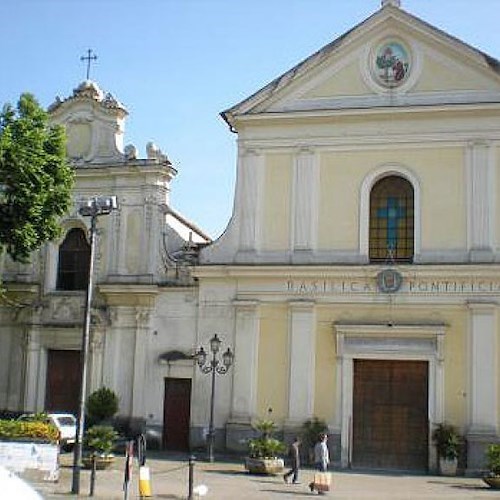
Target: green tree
{"points": [[102, 405], [36, 179]]}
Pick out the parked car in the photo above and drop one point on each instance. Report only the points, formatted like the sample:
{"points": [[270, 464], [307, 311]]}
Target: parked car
{"points": [[64, 422]]}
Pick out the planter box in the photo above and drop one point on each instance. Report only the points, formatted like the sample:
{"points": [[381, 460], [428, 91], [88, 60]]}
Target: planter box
{"points": [[100, 462], [448, 467], [492, 481], [33, 458], [269, 466]]}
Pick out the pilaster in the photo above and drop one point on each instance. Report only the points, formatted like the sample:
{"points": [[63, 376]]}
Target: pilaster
{"points": [[302, 348], [483, 384], [246, 347], [480, 201], [251, 179], [304, 201], [483, 369], [33, 350], [142, 317]]}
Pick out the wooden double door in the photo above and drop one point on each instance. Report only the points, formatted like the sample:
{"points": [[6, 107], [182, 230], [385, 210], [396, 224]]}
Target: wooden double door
{"points": [[62, 389], [390, 415]]}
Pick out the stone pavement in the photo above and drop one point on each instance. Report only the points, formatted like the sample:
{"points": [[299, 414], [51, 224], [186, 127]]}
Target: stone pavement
{"points": [[228, 480]]}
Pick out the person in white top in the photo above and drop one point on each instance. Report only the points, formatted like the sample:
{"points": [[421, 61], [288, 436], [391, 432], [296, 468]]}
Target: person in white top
{"points": [[321, 457]]}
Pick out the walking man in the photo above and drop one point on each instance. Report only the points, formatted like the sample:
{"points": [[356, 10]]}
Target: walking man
{"points": [[294, 454]]}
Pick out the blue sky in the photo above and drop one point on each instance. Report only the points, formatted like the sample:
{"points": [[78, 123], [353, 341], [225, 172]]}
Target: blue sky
{"points": [[176, 64]]}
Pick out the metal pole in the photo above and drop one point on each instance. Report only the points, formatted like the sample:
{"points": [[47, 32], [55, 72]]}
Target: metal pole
{"points": [[191, 477], [77, 455], [92, 475], [211, 431]]}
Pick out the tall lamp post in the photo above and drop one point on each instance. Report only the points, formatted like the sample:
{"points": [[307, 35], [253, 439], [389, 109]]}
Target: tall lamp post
{"points": [[93, 208], [214, 367]]}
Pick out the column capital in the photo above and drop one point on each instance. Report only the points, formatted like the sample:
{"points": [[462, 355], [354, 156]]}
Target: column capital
{"points": [[303, 305], [245, 305]]}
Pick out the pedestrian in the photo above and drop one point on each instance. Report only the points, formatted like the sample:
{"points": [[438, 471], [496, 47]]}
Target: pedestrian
{"points": [[294, 454], [321, 458]]}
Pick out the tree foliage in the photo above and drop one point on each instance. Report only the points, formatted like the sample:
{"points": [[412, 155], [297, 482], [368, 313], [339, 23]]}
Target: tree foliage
{"points": [[35, 178], [102, 404]]}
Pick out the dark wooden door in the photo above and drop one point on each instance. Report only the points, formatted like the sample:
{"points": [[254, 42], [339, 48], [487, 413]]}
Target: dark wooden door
{"points": [[176, 414], [390, 415], [63, 381]]}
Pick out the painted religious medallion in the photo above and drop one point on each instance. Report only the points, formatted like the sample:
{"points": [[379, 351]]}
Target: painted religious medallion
{"points": [[392, 64]]}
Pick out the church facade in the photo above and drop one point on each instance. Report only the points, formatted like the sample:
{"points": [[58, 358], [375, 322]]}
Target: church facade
{"points": [[359, 275], [358, 280]]}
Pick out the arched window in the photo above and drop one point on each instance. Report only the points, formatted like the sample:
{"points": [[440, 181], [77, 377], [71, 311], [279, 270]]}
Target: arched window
{"points": [[74, 261], [392, 220]]}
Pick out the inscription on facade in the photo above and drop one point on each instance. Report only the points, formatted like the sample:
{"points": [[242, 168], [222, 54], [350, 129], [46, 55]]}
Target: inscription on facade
{"points": [[409, 286]]}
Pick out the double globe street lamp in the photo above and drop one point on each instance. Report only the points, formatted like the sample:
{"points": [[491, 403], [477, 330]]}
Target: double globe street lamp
{"points": [[214, 367], [93, 208]]}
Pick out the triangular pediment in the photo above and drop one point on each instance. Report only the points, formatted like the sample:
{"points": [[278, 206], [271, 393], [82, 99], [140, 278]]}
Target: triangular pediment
{"points": [[351, 72]]}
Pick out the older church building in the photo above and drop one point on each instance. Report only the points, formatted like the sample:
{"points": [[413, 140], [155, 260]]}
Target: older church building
{"points": [[358, 280]]}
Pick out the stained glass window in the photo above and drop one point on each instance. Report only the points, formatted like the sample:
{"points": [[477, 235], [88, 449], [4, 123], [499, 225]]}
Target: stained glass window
{"points": [[392, 220]]}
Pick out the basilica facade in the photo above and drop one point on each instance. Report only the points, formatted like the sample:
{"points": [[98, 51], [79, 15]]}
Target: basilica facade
{"points": [[358, 280]]}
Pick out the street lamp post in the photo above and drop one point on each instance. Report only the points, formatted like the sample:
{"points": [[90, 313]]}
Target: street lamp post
{"points": [[93, 208], [213, 366]]}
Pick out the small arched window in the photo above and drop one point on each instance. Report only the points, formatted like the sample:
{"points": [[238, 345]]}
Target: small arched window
{"points": [[392, 220], [74, 261]]}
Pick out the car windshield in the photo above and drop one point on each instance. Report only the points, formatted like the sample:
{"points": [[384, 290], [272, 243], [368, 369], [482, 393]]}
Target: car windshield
{"points": [[66, 420]]}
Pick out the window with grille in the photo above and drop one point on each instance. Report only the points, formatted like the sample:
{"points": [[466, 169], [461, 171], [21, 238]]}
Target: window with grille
{"points": [[392, 220], [74, 261]]}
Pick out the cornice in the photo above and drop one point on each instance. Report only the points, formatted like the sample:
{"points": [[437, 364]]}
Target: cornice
{"points": [[462, 271]]}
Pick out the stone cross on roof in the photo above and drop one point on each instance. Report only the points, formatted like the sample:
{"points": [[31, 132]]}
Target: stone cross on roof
{"points": [[394, 3]]}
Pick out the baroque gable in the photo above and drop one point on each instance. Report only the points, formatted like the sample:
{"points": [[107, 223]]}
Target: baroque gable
{"points": [[94, 123]]}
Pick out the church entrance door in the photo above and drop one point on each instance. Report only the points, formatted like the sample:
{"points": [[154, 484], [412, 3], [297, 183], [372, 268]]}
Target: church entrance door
{"points": [[390, 415], [176, 414], [62, 391]]}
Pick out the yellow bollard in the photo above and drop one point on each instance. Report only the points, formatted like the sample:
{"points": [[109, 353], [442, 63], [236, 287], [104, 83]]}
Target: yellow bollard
{"points": [[144, 482]]}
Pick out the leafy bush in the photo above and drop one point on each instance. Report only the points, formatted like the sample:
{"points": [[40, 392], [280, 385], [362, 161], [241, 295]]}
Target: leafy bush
{"points": [[311, 429], [493, 459], [265, 446], [447, 440], [100, 439], [101, 405], [27, 430]]}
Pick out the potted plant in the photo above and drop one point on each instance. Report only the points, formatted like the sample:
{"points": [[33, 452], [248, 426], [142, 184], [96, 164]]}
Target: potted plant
{"points": [[99, 442], [448, 443], [264, 451], [492, 479]]}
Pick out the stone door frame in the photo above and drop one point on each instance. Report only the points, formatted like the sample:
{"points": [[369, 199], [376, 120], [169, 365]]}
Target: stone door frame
{"points": [[388, 341]]}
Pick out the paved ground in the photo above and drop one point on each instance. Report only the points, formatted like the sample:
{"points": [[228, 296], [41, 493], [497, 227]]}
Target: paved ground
{"points": [[227, 480]]}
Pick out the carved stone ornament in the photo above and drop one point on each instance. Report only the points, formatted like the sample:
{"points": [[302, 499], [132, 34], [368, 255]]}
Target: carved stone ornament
{"points": [[65, 309], [389, 280]]}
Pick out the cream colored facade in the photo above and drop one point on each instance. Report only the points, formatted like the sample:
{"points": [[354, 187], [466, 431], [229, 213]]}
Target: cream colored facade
{"points": [[290, 285], [291, 278]]}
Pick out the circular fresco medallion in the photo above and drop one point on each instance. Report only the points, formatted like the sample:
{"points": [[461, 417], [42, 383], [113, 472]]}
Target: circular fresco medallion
{"points": [[392, 64]]}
